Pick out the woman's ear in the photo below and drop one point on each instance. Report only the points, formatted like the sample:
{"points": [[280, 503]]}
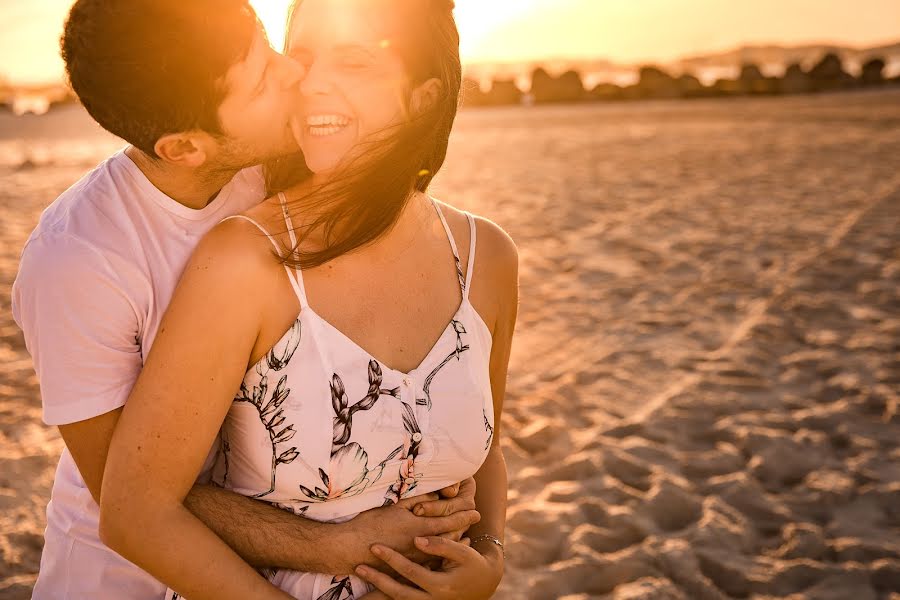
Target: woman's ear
{"points": [[425, 97], [182, 149]]}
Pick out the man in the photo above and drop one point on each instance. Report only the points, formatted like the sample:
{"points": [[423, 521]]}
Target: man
{"points": [[200, 96]]}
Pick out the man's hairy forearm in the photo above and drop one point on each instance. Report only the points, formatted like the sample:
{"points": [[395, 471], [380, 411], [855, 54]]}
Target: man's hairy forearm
{"points": [[264, 535]]}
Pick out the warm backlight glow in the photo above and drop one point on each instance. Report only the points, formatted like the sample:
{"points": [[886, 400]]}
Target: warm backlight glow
{"points": [[476, 19], [273, 14], [494, 31]]}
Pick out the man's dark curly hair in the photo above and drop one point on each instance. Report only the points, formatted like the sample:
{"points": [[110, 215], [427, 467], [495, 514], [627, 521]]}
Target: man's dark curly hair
{"points": [[147, 68]]}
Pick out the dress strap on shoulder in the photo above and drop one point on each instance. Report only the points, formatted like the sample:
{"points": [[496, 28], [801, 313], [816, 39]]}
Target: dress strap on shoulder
{"points": [[287, 218], [446, 228], [258, 226], [471, 267], [453, 247], [298, 289], [295, 275]]}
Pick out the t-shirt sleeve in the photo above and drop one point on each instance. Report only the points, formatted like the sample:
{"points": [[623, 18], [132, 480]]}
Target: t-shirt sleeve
{"points": [[81, 328]]}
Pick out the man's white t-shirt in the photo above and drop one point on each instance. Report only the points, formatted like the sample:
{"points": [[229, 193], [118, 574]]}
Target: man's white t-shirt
{"points": [[94, 281]]}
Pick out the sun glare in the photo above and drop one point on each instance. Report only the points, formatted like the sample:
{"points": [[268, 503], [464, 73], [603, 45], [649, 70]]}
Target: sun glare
{"points": [[476, 19], [273, 14]]}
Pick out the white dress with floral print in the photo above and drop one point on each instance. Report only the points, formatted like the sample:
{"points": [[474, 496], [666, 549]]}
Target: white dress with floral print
{"points": [[324, 430]]}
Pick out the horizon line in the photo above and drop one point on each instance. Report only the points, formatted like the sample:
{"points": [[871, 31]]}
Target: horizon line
{"points": [[637, 64]]}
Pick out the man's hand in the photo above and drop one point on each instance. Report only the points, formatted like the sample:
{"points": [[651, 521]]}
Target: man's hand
{"points": [[396, 526], [451, 491], [462, 494]]}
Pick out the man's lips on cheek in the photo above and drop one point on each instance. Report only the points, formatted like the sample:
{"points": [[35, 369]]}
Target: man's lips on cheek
{"points": [[298, 127]]}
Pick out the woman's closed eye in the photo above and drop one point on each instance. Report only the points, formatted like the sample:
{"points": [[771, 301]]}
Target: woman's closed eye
{"points": [[354, 63]]}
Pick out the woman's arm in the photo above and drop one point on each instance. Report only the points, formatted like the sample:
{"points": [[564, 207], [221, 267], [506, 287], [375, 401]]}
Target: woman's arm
{"points": [[491, 478], [172, 417]]}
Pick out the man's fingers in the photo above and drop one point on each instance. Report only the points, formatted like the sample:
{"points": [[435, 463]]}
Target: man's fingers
{"points": [[438, 546], [450, 491], [458, 520], [409, 502], [463, 492], [436, 508], [441, 508], [467, 487]]}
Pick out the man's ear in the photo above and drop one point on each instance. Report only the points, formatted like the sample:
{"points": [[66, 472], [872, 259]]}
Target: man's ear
{"points": [[189, 149], [425, 97]]}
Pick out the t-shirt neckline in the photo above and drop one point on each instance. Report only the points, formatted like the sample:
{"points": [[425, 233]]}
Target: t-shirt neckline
{"points": [[167, 203]]}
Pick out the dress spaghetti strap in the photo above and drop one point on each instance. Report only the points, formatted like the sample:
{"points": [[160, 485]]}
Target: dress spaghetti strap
{"points": [[297, 277], [462, 279], [258, 226], [471, 267], [278, 250]]}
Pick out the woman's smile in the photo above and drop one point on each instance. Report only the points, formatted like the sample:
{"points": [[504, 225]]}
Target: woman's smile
{"points": [[322, 125]]}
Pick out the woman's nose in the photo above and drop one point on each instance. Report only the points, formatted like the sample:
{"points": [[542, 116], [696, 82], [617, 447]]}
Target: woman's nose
{"points": [[316, 80]]}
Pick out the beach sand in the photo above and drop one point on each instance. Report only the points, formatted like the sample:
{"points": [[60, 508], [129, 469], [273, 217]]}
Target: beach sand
{"points": [[703, 392]]}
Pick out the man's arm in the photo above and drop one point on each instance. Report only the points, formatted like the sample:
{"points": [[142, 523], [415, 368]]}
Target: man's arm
{"points": [[267, 536], [263, 535]]}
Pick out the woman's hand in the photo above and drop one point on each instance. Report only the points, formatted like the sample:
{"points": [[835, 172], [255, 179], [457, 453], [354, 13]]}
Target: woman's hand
{"points": [[466, 574]]}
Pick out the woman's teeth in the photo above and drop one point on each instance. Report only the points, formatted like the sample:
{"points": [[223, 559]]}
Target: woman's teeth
{"points": [[322, 125]]}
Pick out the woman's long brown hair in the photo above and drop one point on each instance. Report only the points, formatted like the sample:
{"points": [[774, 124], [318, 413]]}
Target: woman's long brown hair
{"points": [[365, 198]]}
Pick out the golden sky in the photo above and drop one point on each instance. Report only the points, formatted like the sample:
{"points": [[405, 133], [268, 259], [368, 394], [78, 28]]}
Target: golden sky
{"points": [[521, 30]]}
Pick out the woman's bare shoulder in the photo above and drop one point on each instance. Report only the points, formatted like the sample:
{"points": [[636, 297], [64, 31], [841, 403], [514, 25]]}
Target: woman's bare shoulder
{"points": [[495, 247], [236, 249], [495, 277]]}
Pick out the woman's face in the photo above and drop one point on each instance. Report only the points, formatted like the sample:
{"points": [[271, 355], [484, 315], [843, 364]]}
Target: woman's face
{"points": [[355, 86]]}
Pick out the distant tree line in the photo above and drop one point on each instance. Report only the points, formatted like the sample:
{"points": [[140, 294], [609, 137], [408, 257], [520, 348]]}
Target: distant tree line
{"points": [[654, 83], [827, 75]]}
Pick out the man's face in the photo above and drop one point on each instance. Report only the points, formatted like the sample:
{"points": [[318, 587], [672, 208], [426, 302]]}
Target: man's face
{"points": [[261, 102]]}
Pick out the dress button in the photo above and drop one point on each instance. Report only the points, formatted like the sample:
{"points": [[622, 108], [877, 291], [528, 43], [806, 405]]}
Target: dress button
{"points": [[407, 381], [417, 437], [409, 481]]}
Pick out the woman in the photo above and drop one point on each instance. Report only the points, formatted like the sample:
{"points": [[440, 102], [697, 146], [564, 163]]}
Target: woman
{"points": [[369, 349]]}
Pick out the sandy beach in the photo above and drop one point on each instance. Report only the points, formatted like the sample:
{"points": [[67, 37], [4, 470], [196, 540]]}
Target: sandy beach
{"points": [[704, 392]]}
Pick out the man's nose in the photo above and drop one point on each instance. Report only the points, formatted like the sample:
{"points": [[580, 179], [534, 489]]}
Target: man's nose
{"points": [[293, 72]]}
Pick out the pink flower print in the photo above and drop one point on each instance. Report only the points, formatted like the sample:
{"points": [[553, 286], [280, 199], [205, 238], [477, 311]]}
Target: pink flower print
{"points": [[348, 474]]}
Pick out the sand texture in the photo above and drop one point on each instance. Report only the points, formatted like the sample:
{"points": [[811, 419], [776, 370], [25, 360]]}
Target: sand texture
{"points": [[703, 393]]}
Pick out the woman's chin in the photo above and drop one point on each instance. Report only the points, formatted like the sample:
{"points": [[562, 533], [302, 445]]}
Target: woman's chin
{"points": [[321, 164], [322, 167]]}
